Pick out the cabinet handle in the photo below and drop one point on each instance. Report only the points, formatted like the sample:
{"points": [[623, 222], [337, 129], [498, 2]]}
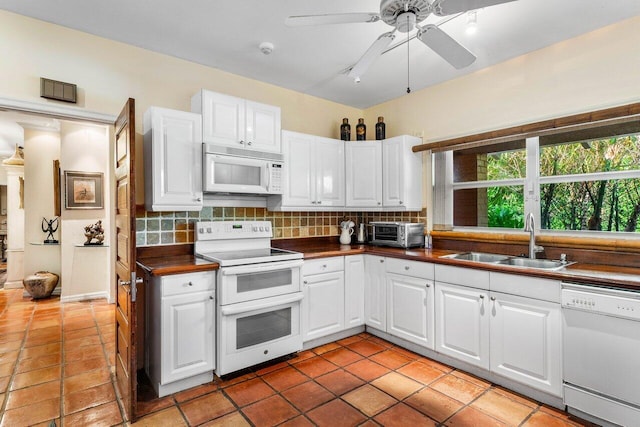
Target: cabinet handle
{"points": [[319, 202], [400, 201], [198, 199], [324, 265], [381, 260], [406, 267], [190, 284], [493, 298], [313, 202], [241, 142], [481, 296], [305, 282], [428, 285], [249, 143], [379, 203], [210, 297]]}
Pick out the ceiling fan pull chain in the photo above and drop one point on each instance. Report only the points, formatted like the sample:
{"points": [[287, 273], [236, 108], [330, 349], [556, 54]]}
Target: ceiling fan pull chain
{"points": [[408, 81]]}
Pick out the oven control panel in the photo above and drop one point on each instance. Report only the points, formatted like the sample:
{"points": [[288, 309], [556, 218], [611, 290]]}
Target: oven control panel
{"points": [[223, 230]]}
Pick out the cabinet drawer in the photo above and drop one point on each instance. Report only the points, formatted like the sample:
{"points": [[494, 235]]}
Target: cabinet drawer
{"points": [[324, 265], [526, 286], [462, 276], [186, 283], [423, 270]]}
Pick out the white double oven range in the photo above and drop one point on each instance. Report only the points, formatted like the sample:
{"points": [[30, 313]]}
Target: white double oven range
{"points": [[258, 293]]}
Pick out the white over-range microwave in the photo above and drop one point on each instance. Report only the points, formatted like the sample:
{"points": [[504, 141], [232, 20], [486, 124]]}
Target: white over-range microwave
{"points": [[241, 171]]}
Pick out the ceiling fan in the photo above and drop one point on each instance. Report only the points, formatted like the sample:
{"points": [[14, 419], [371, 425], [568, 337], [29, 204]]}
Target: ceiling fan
{"points": [[404, 16]]}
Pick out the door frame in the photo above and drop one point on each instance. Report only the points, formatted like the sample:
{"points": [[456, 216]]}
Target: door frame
{"points": [[65, 112]]}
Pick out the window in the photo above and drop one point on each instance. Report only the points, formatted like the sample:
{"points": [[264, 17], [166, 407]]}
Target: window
{"points": [[579, 180]]}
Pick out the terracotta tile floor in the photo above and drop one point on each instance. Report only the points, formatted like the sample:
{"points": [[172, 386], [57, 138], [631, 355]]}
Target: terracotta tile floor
{"points": [[56, 363]]}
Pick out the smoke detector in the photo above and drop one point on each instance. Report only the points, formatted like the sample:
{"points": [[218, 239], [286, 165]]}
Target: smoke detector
{"points": [[266, 47]]}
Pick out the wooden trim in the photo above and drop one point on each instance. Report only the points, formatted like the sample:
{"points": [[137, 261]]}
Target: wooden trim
{"points": [[595, 243], [164, 251], [531, 129]]}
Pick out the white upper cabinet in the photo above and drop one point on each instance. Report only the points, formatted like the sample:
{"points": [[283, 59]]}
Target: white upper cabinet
{"points": [[173, 160], [236, 122], [401, 173], [313, 176], [384, 174], [364, 174]]}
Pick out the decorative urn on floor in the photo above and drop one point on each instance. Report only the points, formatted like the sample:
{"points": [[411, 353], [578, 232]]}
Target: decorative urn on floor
{"points": [[41, 284]]}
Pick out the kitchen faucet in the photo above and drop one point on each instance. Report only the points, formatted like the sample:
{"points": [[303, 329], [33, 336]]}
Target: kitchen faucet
{"points": [[530, 226]]}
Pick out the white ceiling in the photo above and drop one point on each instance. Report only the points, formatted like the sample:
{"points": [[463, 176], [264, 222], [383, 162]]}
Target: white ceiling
{"points": [[226, 35]]}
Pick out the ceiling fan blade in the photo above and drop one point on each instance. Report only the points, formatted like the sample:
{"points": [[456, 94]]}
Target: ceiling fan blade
{"points": [[449, 7], [445, 46], [331, 18], [369, 57]]}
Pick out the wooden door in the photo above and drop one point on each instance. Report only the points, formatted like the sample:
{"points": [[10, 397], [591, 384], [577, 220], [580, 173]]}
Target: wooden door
{"points": [[125, 268]]}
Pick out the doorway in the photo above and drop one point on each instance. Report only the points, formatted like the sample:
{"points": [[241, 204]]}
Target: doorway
{"points": [[79, 146]]}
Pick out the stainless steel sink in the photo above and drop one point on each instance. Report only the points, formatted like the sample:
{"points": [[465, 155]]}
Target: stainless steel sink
{"points": [[487, 258], [545, 264], [478, 257]]}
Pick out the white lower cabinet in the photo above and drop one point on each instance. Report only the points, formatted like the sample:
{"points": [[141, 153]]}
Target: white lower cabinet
{"points": [[463, 323], [517, 337], [181, 331], [354, 290], [410, 301], [526, 341], [375, 305], [323, 302]]}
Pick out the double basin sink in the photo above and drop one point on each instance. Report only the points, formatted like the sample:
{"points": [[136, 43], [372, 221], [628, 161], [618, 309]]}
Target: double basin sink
{"points": [[487, 258]]}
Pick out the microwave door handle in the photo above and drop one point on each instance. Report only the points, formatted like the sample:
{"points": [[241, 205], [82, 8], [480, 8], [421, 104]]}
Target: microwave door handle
{"points": [[267, 178]]}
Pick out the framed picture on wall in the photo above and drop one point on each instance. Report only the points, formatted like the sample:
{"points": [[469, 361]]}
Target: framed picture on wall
{"points": [[83, 190]]}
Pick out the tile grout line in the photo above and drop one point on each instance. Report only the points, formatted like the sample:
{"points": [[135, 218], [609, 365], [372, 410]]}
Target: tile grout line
{"points": [[15, 366]]}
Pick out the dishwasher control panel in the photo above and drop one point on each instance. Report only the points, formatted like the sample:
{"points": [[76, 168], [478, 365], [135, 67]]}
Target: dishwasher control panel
{"points": [[610, 302]]}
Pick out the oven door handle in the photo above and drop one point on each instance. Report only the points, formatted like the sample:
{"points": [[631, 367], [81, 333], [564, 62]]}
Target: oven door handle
{"points": [[261, 267], [260, 304]]}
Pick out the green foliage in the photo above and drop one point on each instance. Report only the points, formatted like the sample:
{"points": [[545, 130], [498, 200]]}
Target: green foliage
{"points": [[505, 207]]}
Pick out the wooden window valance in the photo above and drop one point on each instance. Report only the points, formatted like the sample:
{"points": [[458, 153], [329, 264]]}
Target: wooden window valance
{"points": [[590, 125]]}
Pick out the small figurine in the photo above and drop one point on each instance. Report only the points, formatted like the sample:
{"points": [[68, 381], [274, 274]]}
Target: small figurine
{"points": [[50, 226], [94, 231]]}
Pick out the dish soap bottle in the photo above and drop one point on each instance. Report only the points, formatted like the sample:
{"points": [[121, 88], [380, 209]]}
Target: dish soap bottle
{"points": [[345, 130], [380, 128], [361, 130]]}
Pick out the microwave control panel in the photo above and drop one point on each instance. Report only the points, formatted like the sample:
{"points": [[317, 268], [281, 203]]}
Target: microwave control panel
{"points": [[275, 181]]}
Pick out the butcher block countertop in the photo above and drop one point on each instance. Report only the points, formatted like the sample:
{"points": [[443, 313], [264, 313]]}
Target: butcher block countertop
{"points": [[177, 259]]}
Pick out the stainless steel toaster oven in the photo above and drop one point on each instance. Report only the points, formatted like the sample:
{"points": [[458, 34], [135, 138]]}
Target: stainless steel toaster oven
{"points": [[398, 234]]}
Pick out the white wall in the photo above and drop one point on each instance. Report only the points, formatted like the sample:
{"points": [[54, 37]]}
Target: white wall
{"points": [[86, 270], [41, 148]]}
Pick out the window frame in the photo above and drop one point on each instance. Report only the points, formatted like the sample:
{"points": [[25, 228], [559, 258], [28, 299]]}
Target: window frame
{"points": [[444, 187]]}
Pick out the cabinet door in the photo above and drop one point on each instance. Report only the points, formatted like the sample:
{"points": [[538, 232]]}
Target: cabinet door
{"points": [[323, 305], [364, 173], [401, 173], [410, 309], [299, 171], [526, 341], [223, 119], [329, 160], [187, 335], [375, 308], [354, 290], [463, 323], [173, 160], [262, 127]]}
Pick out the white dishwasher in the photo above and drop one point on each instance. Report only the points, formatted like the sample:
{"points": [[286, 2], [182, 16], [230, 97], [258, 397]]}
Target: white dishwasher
{"points": [[601, 329]]}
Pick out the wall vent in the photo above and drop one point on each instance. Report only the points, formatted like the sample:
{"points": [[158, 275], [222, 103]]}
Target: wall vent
{"points": [[60, 91]]}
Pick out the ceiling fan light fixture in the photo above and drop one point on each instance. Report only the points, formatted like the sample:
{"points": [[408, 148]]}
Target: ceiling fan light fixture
{"points": [[369, 57], [406, 22]]}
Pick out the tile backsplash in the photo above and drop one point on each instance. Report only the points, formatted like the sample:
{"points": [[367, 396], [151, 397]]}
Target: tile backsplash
{"points": [[167, 228]]}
